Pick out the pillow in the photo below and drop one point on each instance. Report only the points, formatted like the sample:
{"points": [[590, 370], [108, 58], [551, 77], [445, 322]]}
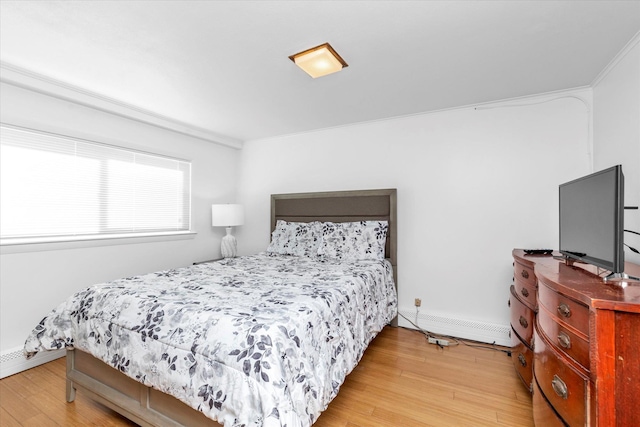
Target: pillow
{"points": [[295, 238], [353, 240]]}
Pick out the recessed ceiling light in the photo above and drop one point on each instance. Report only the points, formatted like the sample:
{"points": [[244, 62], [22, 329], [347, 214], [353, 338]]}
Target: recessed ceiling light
{"points": [[319, 61]]}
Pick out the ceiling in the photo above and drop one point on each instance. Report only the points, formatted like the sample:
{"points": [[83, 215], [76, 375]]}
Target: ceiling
{"points": [[223, 66]]}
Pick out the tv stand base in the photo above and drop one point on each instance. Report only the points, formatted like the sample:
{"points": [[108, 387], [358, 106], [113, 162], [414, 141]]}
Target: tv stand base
{"points": [[621, 278]]}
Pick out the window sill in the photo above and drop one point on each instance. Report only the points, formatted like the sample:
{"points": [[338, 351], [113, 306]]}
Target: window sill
{"points": [[52, 244]]}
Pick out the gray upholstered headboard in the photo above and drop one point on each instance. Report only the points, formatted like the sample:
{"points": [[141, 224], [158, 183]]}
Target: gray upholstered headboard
{"points": [[342, 206]]}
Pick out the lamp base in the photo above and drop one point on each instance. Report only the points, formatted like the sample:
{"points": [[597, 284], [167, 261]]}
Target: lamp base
{"points": [[228, 245]]}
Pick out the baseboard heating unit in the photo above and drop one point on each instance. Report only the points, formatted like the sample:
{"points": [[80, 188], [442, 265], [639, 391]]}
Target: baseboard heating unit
{"points": [[460, 328], [13, 361]]}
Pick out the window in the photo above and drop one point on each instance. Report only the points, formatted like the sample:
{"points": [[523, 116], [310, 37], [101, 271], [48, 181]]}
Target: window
{"points": [[55, 187]]}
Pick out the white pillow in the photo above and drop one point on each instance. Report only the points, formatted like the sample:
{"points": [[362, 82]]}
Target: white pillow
{"points": [[353, 240], [295, 238]]}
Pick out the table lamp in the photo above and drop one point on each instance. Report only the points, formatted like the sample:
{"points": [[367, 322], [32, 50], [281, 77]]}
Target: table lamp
{"points": [[227, 215]]}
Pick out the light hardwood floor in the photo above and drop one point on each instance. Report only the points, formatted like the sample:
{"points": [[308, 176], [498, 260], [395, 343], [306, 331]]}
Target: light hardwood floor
{"points": [[402, 381]]}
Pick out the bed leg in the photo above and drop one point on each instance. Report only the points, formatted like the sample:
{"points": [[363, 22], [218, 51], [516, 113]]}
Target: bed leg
{"points": [[71, 390], [394, 322]]}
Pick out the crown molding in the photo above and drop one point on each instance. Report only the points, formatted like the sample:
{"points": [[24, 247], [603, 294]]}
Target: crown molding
{"points": [[611, 65], [26, 79]]}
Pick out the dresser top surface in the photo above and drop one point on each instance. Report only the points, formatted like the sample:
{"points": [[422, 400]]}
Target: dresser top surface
{"points": [[582, 282]]}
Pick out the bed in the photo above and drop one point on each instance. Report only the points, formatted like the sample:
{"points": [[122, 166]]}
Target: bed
{"points": [[260, 340]]}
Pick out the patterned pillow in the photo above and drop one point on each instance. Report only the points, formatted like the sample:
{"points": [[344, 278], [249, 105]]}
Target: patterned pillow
{"points": [[295, 238], [353, 240]]}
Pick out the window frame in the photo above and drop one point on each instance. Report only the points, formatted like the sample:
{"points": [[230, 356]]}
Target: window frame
{"points": [[102, 238]]}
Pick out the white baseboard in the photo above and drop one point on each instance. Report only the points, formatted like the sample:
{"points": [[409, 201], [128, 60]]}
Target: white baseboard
{"points": [[13, 361], [469, 329]]}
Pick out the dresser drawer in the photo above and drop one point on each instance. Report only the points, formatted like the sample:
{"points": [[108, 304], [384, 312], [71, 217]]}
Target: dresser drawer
{"points": [[543, 412], [564, 339], [567, 310], [521, 318], [566, 388], [524, 274], [522, 357], [526, 293]]}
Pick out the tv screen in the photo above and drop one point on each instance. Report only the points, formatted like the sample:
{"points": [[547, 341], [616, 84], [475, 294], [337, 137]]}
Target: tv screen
{"points": [[591, 219]]}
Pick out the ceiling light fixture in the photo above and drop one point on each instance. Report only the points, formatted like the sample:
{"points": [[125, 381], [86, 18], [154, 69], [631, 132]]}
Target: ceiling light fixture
{"points": [[319, 61]]}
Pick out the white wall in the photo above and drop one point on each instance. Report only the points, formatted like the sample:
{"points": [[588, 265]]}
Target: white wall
{"points": [[616, 130], [472, 184], [32, 283]]}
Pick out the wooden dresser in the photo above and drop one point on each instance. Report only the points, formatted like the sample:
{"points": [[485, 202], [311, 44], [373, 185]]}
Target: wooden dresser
{"points": [[523, 304], [576, 342]]}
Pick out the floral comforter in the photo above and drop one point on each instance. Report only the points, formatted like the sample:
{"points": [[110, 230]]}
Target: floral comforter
{"points": [[252, 341]]}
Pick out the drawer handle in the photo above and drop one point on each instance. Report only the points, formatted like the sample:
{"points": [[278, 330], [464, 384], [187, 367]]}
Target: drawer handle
{"points": [[522, 360], [525, 274], [524, 292], [564, 340], [523, 322], [509, 303], [559, 387], [564, 310]]}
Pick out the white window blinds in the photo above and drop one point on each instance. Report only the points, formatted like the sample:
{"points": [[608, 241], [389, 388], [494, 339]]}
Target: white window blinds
{"points": [[58, 186]]}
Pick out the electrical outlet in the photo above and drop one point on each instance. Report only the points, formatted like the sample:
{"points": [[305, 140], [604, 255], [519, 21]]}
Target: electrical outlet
{"points": [[438, 341], [418, 302]]}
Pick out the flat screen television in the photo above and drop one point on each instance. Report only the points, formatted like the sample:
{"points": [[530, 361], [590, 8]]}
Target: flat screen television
{"points": [[592, 219]]}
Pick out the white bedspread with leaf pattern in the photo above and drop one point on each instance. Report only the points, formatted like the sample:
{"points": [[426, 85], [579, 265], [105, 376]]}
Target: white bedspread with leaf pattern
{"points": [[251, 341]]}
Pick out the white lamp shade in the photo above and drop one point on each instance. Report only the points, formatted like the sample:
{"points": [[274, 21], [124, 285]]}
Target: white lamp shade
{"points": [[228, 215]]}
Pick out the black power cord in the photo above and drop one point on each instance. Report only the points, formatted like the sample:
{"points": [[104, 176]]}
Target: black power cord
{"points": [[632, 249]]}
